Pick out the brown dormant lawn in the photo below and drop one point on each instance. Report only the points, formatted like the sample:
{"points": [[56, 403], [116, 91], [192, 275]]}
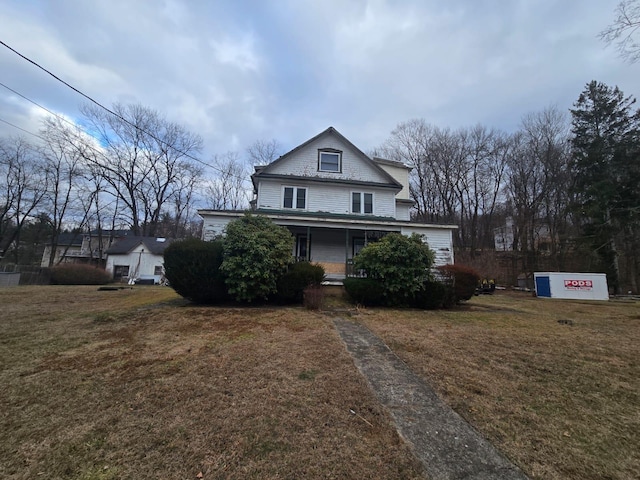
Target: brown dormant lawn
{"points": [[554, 384], [137, 384], [140, 384]]}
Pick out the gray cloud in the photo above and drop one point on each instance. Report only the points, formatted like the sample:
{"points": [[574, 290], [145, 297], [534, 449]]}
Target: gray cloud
{"points": [[235, 72]]}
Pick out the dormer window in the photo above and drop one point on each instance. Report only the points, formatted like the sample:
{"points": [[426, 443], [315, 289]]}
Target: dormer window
{"points": [[330, 160]]}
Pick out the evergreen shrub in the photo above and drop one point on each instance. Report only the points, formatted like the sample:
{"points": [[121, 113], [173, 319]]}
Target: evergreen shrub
{"points": [[434, 295], [365, 291], [399, 263], [257, 252], [291, 286], [78, 274], [192, 268]]}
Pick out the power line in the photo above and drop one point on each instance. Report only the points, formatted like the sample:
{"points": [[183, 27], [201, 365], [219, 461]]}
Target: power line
{"points": [[20, 128], [38, 105], [120, 117], [84, 95], [74, 125]]}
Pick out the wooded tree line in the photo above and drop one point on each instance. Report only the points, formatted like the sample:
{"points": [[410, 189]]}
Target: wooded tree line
{"points": [[130, 169], [564, 187]]}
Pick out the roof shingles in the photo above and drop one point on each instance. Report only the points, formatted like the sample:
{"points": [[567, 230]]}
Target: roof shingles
{"points": [[155, 245]]}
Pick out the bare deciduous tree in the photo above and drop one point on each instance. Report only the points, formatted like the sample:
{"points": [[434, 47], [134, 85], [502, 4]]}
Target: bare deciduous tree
{"points": [[229, 190], [63, 167], [263, 152], [410, 143], [457, 176], [144, 154], [623, 32], [538, 189], [23, 186], [182, 199]]}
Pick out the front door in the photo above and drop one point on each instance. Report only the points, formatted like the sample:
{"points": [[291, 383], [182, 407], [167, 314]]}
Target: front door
{"points": [[303, 247]]}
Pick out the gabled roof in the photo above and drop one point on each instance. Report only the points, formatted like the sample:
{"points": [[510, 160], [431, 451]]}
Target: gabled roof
{"points": [[69, 238], [264, 171], [112, 233], [392, 163], [155, 245]]}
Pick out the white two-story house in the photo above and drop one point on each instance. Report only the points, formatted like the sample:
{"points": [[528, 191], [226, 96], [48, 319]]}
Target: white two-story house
{"points": [[334, 199]]}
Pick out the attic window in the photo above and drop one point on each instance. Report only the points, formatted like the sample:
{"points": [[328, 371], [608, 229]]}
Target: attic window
{"points": [[329, 161]]}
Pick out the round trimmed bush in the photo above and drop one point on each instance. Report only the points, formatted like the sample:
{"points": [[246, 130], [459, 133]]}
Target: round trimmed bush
{"points": [[257, 252], [193, 269], [464, 280], [399, 263]]}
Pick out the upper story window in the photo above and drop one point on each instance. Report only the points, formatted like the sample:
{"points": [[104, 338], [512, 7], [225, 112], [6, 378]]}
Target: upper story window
{"points": [[295, 197], [330, 160], [361, 202]]}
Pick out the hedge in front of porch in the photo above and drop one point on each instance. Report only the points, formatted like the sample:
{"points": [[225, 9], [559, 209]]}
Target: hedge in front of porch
{"points": [[399, 264]]}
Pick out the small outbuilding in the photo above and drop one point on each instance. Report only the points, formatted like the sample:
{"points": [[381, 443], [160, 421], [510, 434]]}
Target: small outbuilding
{"points": [[576, 286], [137, 259]]}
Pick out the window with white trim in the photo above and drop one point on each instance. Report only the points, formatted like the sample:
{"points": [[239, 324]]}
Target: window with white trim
{"points": [[330, 161], [361, 202], [295, 197]]}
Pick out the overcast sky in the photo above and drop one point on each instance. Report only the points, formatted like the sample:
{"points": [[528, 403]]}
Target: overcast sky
{"points": [[237, 71]]}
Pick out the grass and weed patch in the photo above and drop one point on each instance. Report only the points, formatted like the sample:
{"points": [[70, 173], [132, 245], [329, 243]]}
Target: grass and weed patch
{"points": [[131, 384], [561, 399], [117, 384]]}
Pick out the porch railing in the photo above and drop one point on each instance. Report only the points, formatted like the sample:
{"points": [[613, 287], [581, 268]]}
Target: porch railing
{"points": [[350, 270]]}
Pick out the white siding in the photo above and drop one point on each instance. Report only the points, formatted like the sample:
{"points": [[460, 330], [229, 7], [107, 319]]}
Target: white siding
{"points": [[328, 246], [270, 194], [325, 197], [331, 244], [304, 163], [402, 211], [141, 263], [213, 226], [439, 240], [401, 175]]}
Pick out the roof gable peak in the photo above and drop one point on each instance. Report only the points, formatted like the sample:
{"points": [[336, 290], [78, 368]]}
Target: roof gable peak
{"points": [[276, 167]]}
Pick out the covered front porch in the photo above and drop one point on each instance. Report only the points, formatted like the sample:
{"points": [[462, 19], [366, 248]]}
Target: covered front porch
{"points": [[333, 240], [333, 248]]}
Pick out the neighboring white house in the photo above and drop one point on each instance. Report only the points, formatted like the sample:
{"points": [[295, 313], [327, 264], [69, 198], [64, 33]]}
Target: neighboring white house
{"points": [[137, 258], [505, 235], [83, 247], [334, 199]]}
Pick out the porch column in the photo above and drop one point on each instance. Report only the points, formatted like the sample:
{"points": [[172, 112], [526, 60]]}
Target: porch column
{"points": [[346, 252], [346, 244], [308, 244]]}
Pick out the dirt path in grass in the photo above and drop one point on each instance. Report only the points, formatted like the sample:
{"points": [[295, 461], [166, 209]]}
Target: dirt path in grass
{"points": [[447, 446]]}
